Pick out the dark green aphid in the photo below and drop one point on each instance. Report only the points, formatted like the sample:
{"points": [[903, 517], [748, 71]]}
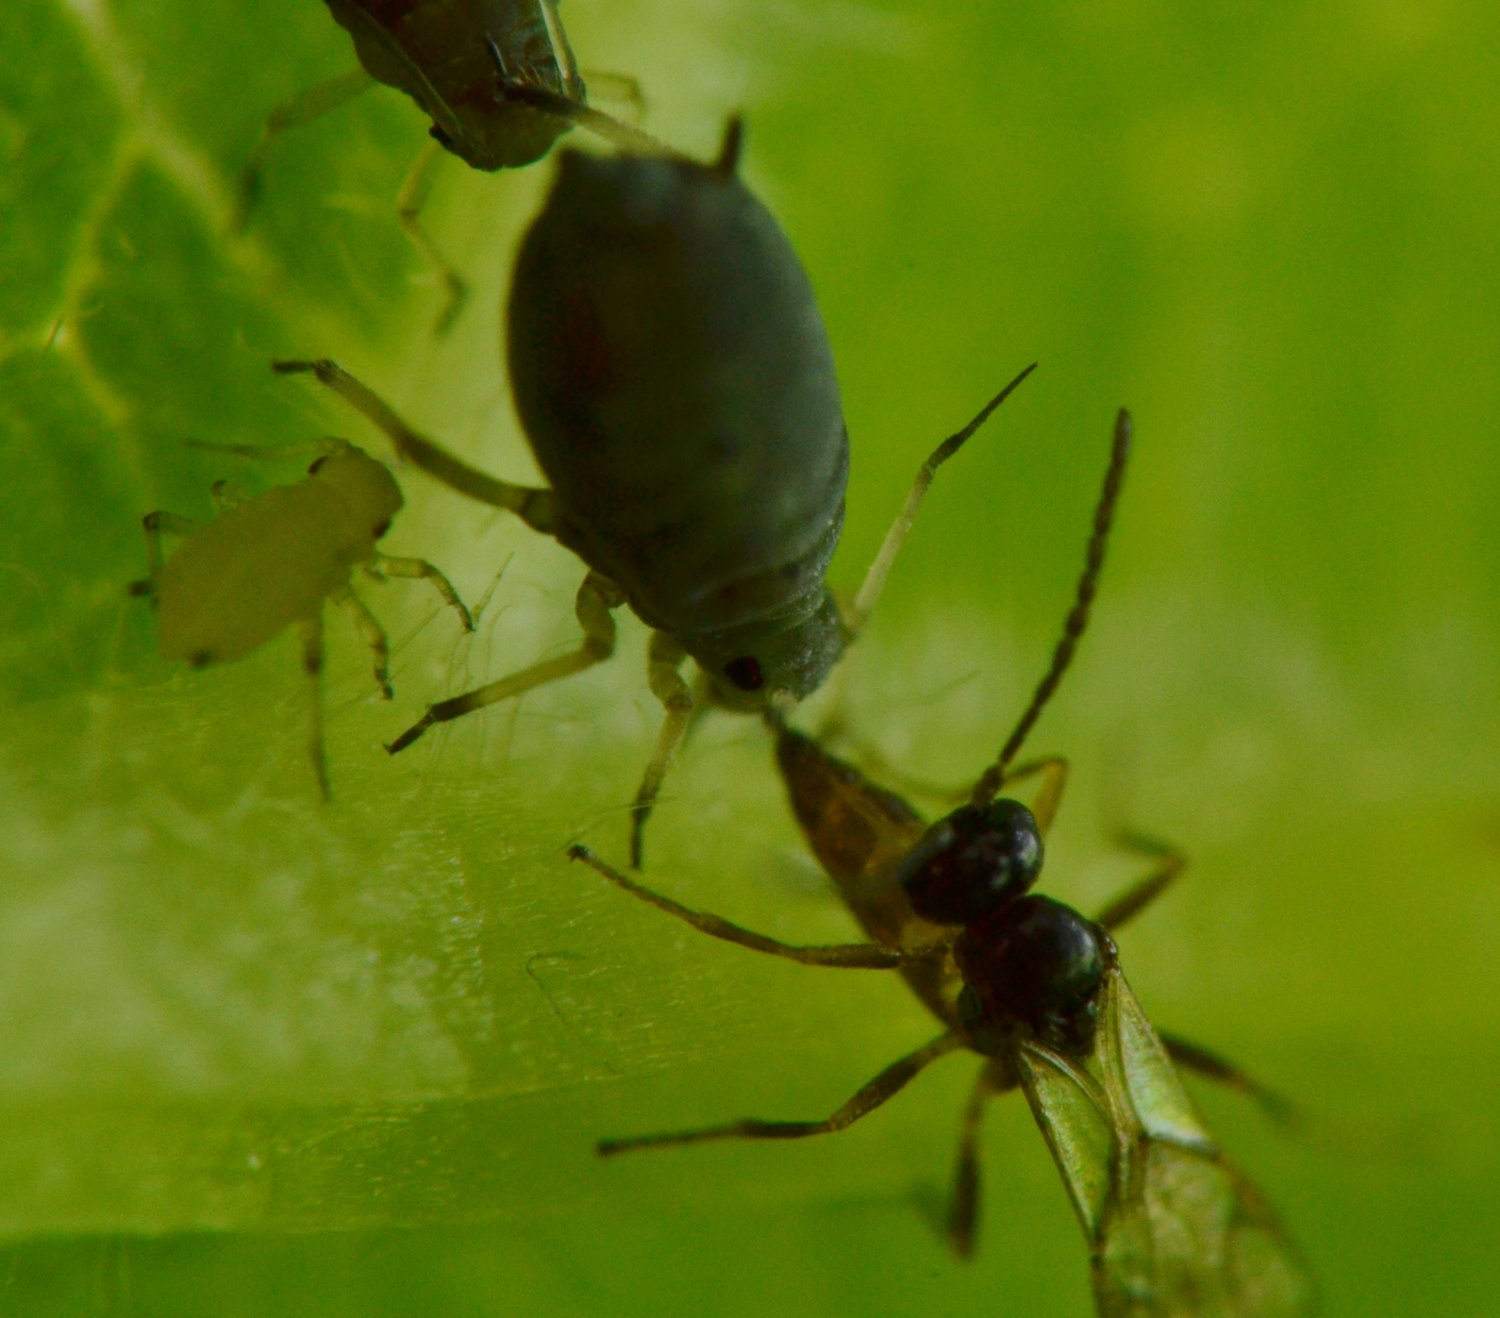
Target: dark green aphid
{"points": [[676, 382], [497, 78], [271, 560]]}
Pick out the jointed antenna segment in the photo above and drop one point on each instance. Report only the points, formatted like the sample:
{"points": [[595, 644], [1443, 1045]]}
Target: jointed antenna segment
{"points": [[1078, 616]]}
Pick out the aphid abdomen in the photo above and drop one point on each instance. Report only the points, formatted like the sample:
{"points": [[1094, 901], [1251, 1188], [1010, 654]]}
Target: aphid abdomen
{"points": [[676, 382], [246, 577], [438, 52]]}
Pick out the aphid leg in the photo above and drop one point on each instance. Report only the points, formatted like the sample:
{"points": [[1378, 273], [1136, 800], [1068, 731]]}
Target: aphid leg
{"points": [[324, 444], [849, 956], [533, 506], [300, 109], [155, 525], [869, 593], [596, 597], [1077, 621], [412, 568], [312, 665], [226, 495], [1214, 1066], [409, 205], [369, 627], [963, 1210], [663, 666], [884, 1086], [618, 87], [1169, 864], [561, 106]]}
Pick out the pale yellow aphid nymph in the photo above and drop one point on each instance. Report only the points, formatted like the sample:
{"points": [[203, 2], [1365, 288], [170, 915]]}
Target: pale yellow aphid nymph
{"points": [[271, 561]]}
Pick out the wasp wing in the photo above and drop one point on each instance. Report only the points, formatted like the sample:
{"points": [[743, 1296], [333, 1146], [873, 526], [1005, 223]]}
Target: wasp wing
{"points": [[1176, 1231]]}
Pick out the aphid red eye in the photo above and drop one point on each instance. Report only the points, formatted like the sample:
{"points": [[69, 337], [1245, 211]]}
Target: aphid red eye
{"points": [[745, 673], [381, 529]]}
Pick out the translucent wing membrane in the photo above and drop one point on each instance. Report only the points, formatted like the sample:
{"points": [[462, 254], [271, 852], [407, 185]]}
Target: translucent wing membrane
{"points": [[1175, 1230]]}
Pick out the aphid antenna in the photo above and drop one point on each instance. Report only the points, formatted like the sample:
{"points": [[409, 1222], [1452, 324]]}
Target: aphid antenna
{"points": [[323, 445], [870, 589], [1077, 620], [625, 136]]}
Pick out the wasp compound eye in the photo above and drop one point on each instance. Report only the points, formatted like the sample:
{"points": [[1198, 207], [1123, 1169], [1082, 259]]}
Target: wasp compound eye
{"points": [[1033, 968], [972, 861], [745, 673]]}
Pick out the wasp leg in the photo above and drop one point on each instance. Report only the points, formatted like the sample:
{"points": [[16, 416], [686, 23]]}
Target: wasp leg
{"points": [[533, 506], [412, 568], [1053, 770], [963, 1211], [1214, 1066], [312, 665], [410, 203], [869, 592], [663, 674], [300, 109], [596, 597], [374, 635], [849, 956], [1169, 864], [883, 1087], [155, 525]]}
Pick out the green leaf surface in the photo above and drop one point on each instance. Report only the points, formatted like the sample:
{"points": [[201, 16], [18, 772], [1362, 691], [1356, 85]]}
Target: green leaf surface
{"points": [[259, 1055]]}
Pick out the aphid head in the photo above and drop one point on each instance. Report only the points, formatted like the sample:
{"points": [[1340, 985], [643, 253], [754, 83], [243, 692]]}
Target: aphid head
{"points": [[972, 861], [750, 666], [1032, 970], [366, 493]]}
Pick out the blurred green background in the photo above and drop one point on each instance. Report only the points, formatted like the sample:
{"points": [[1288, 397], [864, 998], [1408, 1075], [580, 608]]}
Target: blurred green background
{"points": [[266, 1057]]}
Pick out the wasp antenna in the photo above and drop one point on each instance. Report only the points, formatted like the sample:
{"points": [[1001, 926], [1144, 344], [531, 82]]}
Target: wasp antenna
{"points": [[729, 153], [1078, 616]]}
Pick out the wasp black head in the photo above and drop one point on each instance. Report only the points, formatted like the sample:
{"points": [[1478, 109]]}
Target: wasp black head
{"points": [[972, 861], [1032, 969]]}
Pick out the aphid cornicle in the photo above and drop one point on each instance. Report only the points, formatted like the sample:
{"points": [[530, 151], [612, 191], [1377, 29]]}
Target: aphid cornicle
{"points": [[271, 561], [497, 78], [675, 381], [1174, 1229]]}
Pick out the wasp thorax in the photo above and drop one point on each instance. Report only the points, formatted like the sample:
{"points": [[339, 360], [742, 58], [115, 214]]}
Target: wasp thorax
{"points": [[1032, 969], [972, 861]]}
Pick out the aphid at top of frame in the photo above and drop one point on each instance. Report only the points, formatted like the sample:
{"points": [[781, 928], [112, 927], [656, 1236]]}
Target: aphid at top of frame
{"points": [[676, 384], [270, 561], [1174, 1229], [459, 59], [496, 78]]}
